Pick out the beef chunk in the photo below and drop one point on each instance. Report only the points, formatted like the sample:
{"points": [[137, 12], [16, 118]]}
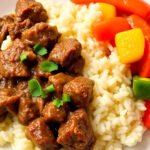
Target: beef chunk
{"points": [[4, 22], [54, 114], [41, 33], [10, 64], [30, 9], [76, 133], [59, 80], [40, 103], [15, 30], [81, 91], [76, 66], [41, 135], [27, 111], [8, 97], [23, 89], [65, 52]]}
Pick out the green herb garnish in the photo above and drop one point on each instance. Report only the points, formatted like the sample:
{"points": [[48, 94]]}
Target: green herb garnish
{"points": [[50, 88], [23, 57], [40, 50], [58, 103], [66, 98], [48, 66], [36, 89]]}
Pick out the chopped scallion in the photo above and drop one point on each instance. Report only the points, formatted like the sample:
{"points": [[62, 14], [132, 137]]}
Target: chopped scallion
{"points": [[23, 57], [48, 66], [40, 50], [58, 103], [66, 98], [36, 89], [50, 88]]}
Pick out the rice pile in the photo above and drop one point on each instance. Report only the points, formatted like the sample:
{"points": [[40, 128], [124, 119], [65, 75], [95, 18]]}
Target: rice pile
{"points": [[114, 113]]}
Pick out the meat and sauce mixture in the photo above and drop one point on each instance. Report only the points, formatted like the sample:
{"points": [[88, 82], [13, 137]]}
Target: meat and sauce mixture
{"points": [[41, 81]]}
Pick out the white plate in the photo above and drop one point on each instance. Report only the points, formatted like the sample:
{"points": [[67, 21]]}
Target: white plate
{"points": [[7, 6]]}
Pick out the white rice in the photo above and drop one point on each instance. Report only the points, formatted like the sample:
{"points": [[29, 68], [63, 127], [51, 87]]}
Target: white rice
{"points": [[115, 114]]}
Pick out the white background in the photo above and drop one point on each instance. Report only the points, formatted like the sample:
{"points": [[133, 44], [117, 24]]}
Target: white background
{"points": [[8, 6]]}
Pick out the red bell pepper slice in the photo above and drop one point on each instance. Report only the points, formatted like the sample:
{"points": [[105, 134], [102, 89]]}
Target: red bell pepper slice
{"points": [[146, 117], [138, 22], [144, 63], [106, 30], [138, 7]]}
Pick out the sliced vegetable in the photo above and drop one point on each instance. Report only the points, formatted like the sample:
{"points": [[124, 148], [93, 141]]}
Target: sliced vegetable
{"points": [[138, 22], [144, 63], [66, 98], [146, 117], [40, 50], [106, 30], [141, 87], [108, 10], [48, 66], [134, 68], [23, 57], [130, 45], [138, 7], [58, 103], [36, 89], [50, 88]]}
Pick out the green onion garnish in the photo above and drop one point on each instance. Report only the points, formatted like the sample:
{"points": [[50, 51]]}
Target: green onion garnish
{"points": [[23, 57], [66, 98], [36, 89], [58, 103], [50, 88], [40, 50], [48, 66]]}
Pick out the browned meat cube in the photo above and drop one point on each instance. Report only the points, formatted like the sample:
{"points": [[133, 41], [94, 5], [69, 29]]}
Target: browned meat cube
{"points": [[81, 91], [41, 135], [10, 64], [23, 89], [4, 22], [40, 103], [27, 111], [59, 80], [76, 66], [41, 33], [76, 133], [8, 96], [54, 114], [15, 29], [30, 9], [66, 52]]}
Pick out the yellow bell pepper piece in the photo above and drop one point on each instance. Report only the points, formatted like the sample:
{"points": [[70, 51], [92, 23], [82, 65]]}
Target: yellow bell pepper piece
{"points": [[108, 10], [130, 45]]}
